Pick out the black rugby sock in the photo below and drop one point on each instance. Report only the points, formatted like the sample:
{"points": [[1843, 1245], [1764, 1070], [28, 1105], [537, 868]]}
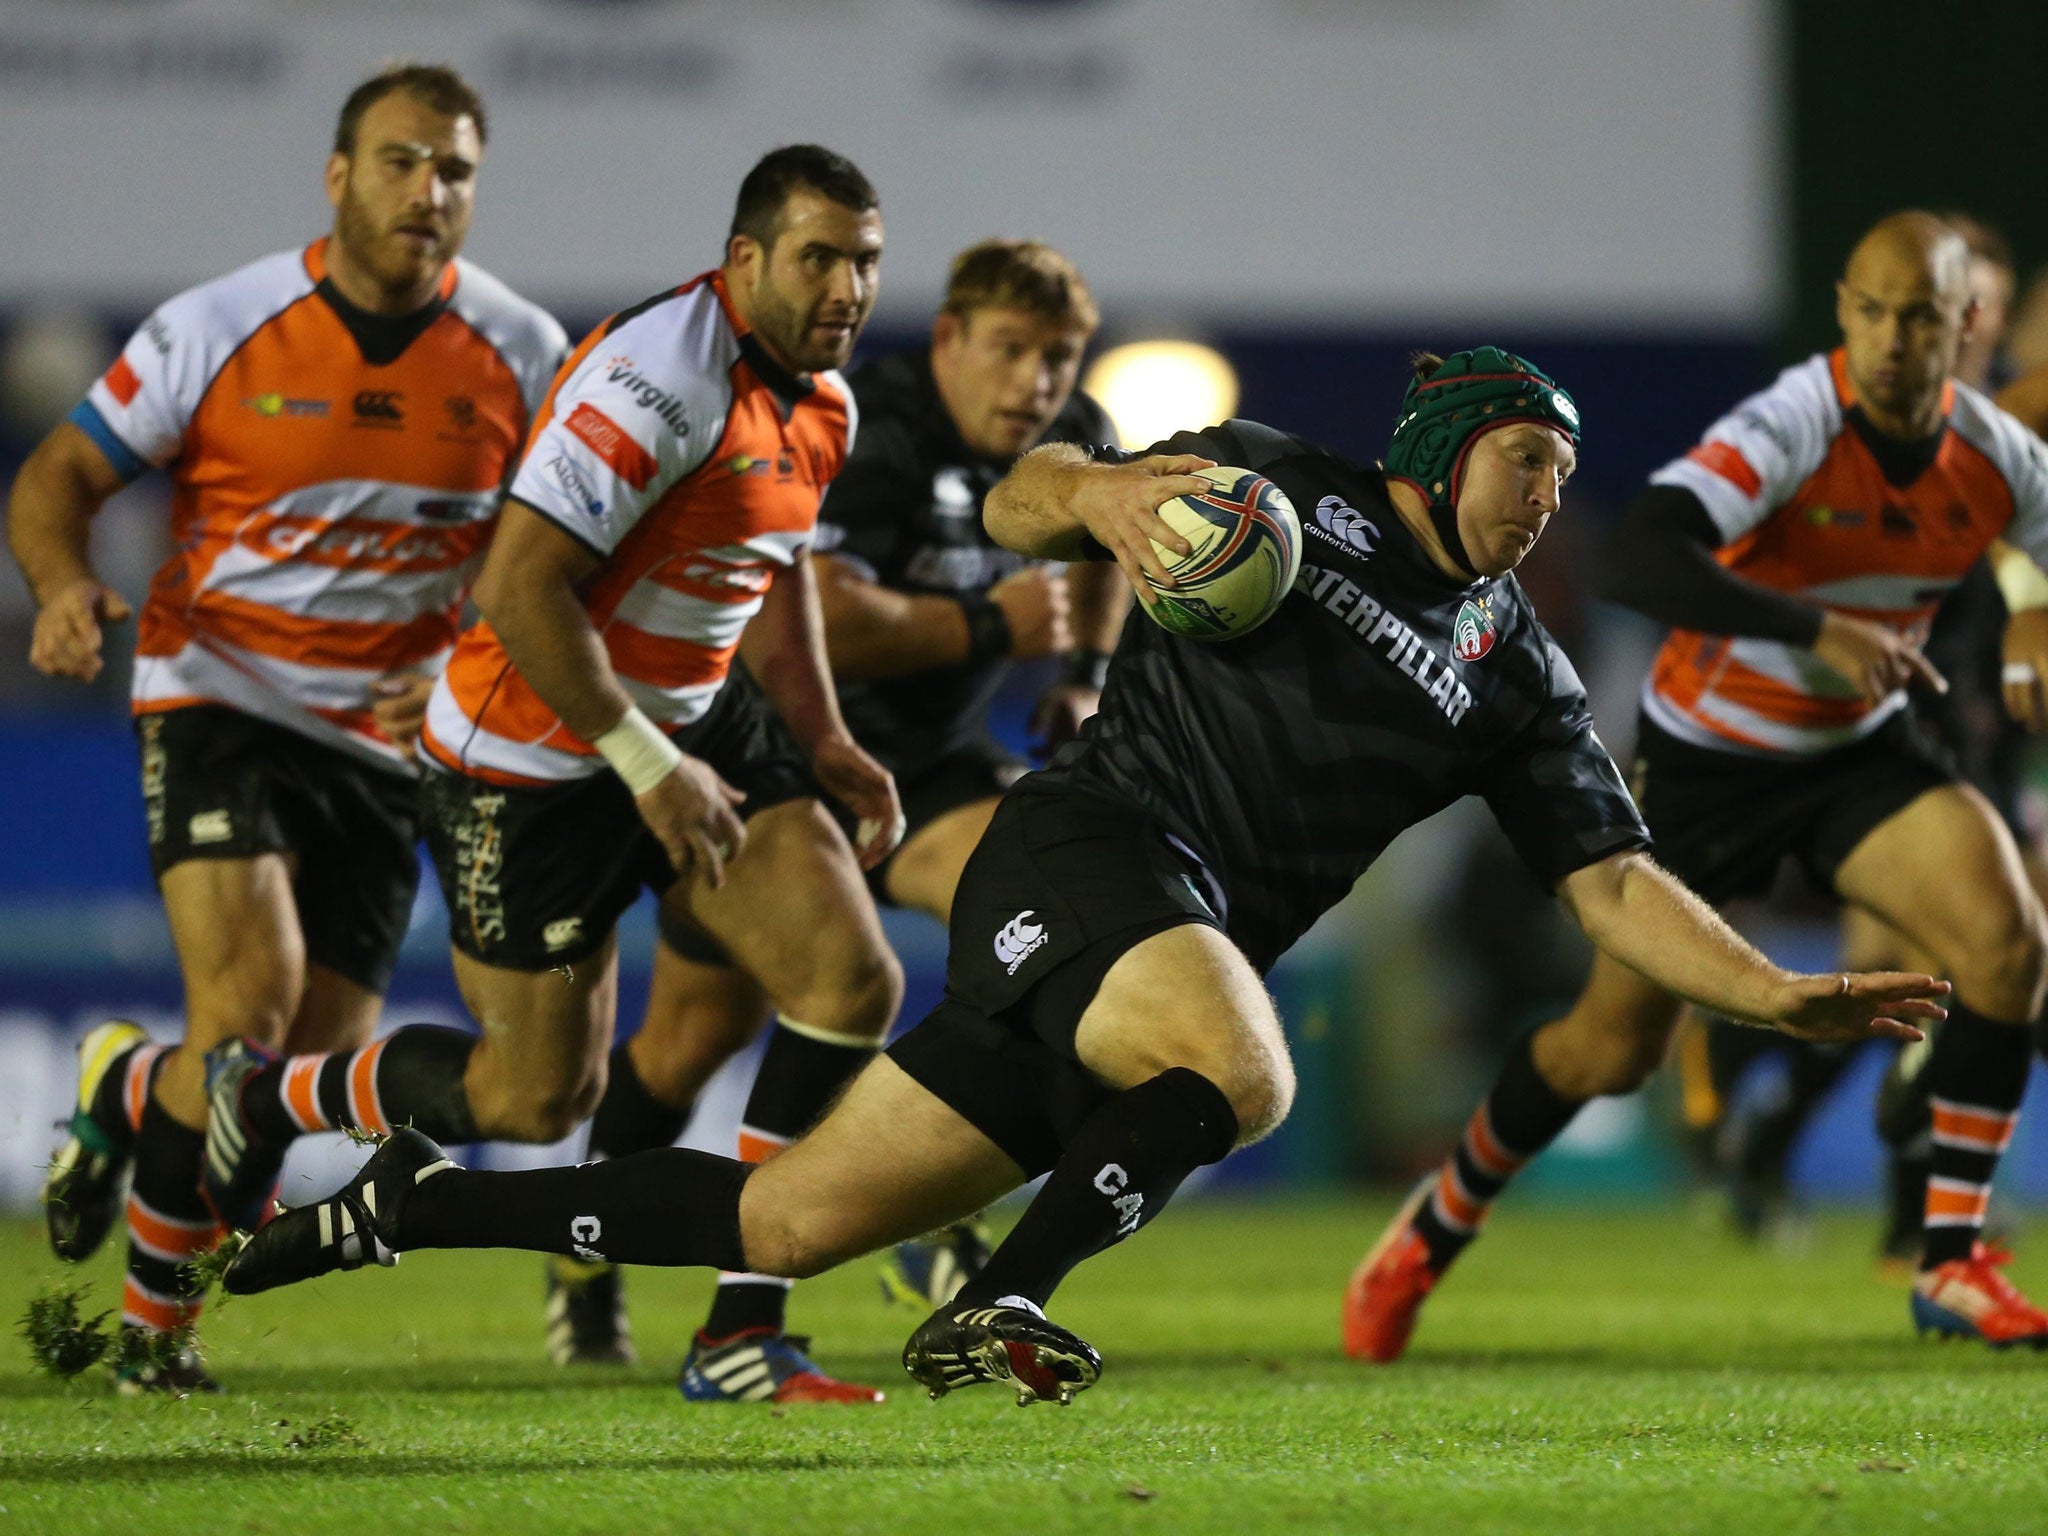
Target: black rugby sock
{"points": [[1116, 1174], [629, 1117], [1519, 1118], [802, 1071], [413, 1076], [1976, 1075], [668, 1206]]}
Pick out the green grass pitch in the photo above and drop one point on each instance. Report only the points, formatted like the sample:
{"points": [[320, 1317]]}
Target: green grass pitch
{"points": [[1581, 1371]]}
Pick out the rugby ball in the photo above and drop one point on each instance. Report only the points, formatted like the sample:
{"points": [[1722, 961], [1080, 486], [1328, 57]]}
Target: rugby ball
{"points": [[1247, 551]]}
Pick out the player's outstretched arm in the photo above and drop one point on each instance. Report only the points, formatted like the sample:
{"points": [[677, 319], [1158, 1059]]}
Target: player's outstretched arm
{"points": [[1056, 499], [49, 520], [527, 593], [1644, 917]]}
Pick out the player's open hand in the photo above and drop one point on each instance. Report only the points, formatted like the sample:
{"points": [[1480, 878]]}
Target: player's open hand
{"points": [[691, 814], [865, 788], [1119, 506], [70, 629], [1876, 661], [398, 702], [1859, 1005], [2023, 678]]}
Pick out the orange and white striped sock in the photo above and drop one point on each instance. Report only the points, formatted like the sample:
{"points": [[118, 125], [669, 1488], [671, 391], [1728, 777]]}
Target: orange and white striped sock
{"points": [[1519, 1118], [1976, 1074], [413, 1076], [168, 1223]]}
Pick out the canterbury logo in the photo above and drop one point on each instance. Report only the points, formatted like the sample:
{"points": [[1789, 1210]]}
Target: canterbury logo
{"points": [[1347, 525], [1018, 939]]}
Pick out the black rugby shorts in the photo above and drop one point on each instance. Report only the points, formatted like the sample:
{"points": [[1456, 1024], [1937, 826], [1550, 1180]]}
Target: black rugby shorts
{"points": [[1724, 821], [1060, 888], [221, 784], [536, 876]]}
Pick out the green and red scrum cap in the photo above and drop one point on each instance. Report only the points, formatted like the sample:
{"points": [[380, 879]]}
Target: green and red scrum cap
{"points": [[1443, 415]]}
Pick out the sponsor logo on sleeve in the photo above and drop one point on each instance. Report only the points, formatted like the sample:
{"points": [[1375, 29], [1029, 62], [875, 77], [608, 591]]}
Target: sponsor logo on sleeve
{"points": [[610, 442], [570, 478], [1018, 938], [159, 335], [122, 383], [648, 395]]}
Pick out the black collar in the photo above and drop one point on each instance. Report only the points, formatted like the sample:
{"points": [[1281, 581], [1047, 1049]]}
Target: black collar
{"points": [[1901, 460], [787, 388], [382, 339]]}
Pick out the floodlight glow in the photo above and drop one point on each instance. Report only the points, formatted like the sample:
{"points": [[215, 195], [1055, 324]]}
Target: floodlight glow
{"points": [[1153, 389]]}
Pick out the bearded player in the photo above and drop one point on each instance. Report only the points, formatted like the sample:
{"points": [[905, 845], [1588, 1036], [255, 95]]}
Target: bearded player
{"points": [[923, 612], [337, 421], [592, 737]]}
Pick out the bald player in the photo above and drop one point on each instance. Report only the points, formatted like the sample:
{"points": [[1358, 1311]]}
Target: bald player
{"points": [[1799, 554]]}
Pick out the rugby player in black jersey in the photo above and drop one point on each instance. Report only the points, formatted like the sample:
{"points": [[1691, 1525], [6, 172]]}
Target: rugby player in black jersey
{"points": [[923, 613], [1105, 1022]]}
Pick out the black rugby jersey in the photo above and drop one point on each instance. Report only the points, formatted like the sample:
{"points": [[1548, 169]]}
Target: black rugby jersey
{"points": [[1381, 692], [905, 512]]}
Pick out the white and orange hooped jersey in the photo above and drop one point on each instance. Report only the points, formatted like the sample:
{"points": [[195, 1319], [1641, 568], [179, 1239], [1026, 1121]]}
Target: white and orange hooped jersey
{"points": [[330, 509], [682, 454], [1804, 507]]}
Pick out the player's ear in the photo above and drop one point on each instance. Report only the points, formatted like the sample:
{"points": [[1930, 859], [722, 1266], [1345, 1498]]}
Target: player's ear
{"points": [[335, 178], [949, 329]]}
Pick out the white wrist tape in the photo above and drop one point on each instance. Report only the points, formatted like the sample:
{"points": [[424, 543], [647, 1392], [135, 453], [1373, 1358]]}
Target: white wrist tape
{"points": [[638, 751]]}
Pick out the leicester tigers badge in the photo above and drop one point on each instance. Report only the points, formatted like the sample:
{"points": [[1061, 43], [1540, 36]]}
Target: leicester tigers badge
{"points": [[1473, 634]]}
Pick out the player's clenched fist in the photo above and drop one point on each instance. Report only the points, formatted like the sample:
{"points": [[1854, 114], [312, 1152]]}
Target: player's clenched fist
{"points": [[690, 813], [69, 630], [1036, 606]]}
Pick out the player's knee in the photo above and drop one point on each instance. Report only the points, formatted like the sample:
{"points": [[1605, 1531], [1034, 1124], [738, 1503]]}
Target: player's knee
{"points": [[538, 1110], [674, 1055], [1582, 1060], [791, 1245], [1261, 1094], [2004, 969], [860, 996]]}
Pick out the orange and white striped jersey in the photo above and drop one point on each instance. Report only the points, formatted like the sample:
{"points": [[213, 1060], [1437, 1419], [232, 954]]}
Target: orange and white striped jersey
{"points": [[330, 507], [693, 464], [1804, 507]]}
